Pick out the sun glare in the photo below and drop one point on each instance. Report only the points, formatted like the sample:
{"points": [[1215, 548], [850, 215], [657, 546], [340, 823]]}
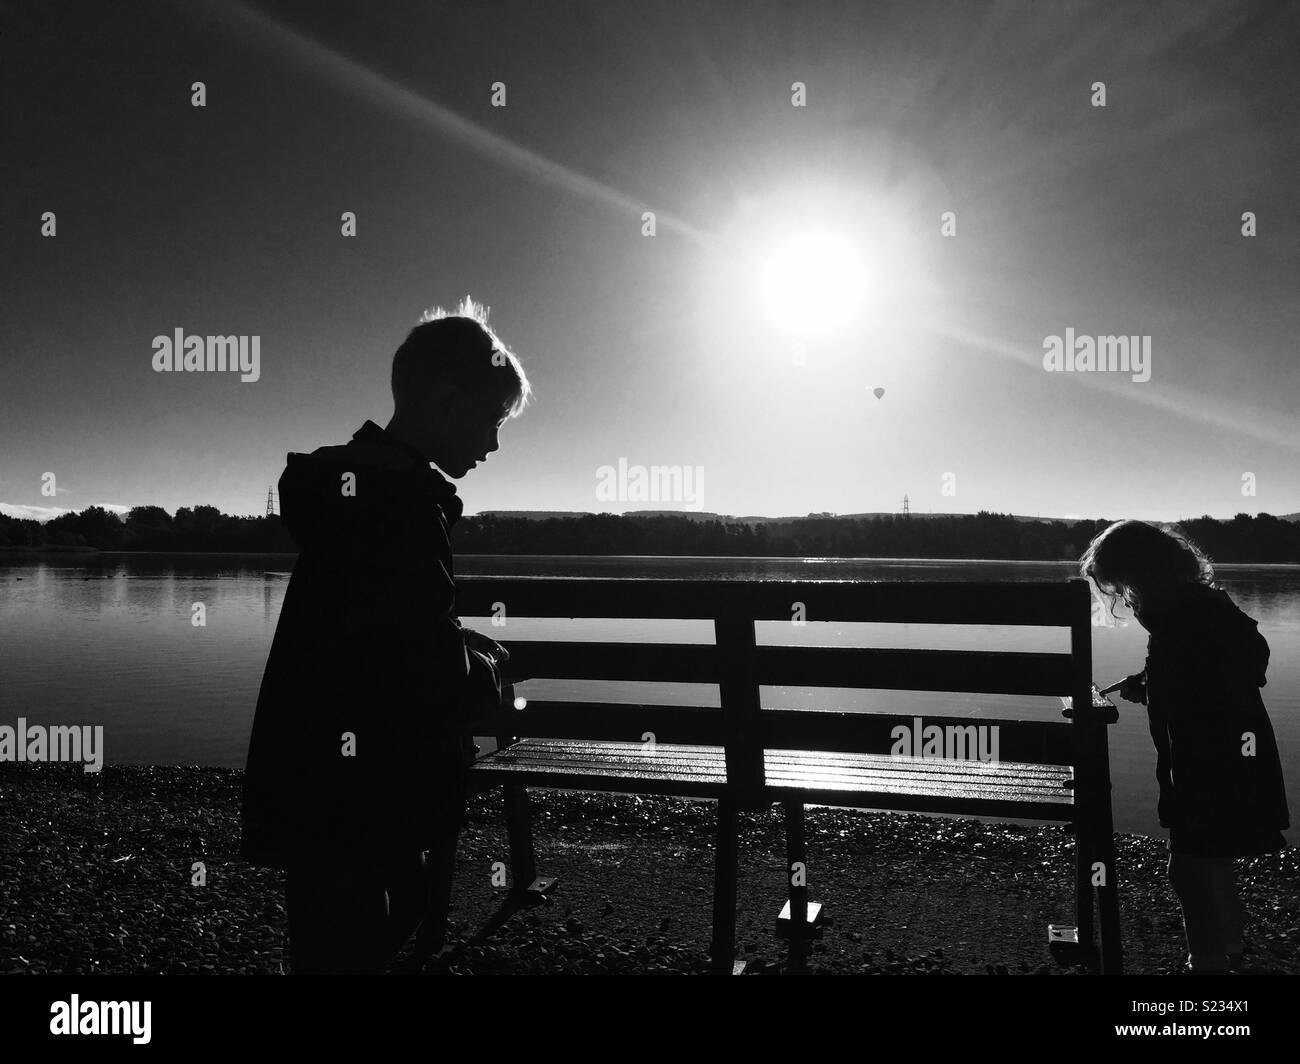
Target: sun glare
{"points": [[816, 271], [814, 280]]}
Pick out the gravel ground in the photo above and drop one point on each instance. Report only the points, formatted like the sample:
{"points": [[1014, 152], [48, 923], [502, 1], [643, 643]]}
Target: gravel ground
{"points": [[96, 875]]}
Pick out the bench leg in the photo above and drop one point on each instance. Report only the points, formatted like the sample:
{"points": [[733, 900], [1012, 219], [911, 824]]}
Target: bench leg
{"points": [[1112, 958], [796, 871], [527, 888], [1087, 850], [723, 950], [1083, 884], [523, 865], [796, 854]]}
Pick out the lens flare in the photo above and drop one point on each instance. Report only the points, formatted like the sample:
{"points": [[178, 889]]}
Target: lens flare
{"points": [[815, 281]]}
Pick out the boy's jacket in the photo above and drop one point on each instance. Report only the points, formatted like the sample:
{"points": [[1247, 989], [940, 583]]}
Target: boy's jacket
{"points": [[357, 746], [1217, 759]]}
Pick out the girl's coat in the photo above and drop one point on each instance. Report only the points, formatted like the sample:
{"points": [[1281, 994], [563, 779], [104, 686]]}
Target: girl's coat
{"points": [[1221, 787]]}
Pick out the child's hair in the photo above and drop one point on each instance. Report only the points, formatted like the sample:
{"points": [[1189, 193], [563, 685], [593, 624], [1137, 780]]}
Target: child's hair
{"points": [[1128, 556], [459, 347]]}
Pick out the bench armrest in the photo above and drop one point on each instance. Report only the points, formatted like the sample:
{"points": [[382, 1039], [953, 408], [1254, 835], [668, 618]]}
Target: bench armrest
{"points": [[1105, 710]]}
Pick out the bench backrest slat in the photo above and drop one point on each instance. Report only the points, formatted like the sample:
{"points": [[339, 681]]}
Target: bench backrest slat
{"points": [[667, 662], [616, 721], [921, 602], [1011, 673], [1036, 742], [981, 672]]}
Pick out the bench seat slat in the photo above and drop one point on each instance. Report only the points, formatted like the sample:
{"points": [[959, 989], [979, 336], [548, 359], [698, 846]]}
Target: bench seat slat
{"points": [[884, 765], [828, 732], [1005, 788], [696, 771], [911, 802], [903, 783], [611, 757]]}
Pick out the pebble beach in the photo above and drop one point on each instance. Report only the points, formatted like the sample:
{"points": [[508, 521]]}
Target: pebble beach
{"points": [[134, 870]]}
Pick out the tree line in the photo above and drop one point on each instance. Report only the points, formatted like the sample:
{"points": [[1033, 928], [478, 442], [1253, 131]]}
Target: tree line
{"points": [[1244, 538]]}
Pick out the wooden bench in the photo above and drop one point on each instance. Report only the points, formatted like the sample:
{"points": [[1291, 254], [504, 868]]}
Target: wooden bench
{"points": [[748, 757]]}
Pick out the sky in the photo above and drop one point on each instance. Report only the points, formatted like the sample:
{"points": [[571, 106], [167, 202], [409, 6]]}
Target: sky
{"points": [[843, 301]]}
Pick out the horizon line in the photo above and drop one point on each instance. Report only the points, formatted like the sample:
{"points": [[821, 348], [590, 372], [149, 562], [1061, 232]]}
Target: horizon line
{"points": [[120, 511]]}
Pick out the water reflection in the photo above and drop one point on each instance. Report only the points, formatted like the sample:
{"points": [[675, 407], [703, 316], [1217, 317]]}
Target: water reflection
{"points": [[108, 639]]}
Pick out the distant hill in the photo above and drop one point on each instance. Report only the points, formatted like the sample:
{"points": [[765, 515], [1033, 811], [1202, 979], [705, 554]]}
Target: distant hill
{"points": [[752, 519], [534, 515], [1241, 538]]}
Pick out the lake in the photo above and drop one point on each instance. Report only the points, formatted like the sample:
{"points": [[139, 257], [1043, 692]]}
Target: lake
{"points": [[106, 639]]}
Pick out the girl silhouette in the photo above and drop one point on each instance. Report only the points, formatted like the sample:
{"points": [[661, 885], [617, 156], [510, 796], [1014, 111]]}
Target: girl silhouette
{"points": [[1221, 790]]}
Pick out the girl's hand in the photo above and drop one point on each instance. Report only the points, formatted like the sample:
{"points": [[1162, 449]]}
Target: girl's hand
{"points": [[1131, 688], [1134, 689]]}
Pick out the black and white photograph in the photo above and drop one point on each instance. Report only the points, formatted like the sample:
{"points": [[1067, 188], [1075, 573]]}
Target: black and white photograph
{"points": [[620, 487]]}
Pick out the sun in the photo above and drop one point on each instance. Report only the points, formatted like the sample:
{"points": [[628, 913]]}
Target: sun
{"points": [[813, 281], [832, 269]]}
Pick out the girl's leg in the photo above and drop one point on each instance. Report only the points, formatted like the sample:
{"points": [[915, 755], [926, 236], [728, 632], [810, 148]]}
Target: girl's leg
{"points": [[1195, 882], [1230, 909]]}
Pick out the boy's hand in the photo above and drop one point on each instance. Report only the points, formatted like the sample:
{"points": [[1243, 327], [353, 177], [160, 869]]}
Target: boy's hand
{"points": [[493, 650], [487, 657], [490, 647]]}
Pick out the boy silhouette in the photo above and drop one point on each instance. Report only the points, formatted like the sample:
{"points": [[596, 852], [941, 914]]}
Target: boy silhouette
{"points": [[355, 781]]}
